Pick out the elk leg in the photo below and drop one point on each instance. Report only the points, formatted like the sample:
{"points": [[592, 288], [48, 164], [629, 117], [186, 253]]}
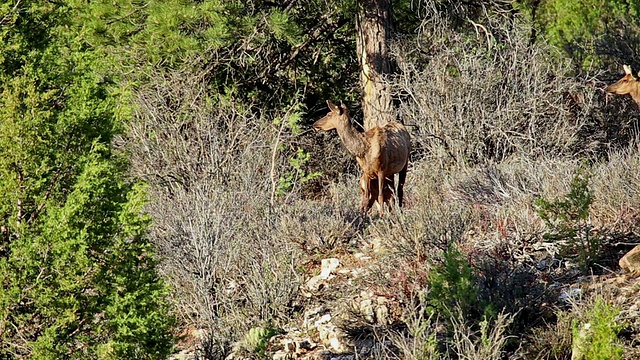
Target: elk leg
{"points": [[389, 187], [381, 184], [367, 197], [401, 178], [373, 191]]}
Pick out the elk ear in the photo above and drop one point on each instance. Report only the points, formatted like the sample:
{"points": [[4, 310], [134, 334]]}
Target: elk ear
{"points": [[627, 71], [343, 107], [333, 107]]}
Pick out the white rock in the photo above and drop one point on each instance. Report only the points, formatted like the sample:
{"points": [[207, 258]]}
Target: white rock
{"points": [[382, 315], [288, 345], [362, 257], [280, 355], [366, 309], [314, 284], [567, 295], [323, 320], [377, 246], [327, 266]]}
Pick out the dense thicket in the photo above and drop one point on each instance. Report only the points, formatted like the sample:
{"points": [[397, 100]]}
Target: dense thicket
{"points": [[77, 272]]}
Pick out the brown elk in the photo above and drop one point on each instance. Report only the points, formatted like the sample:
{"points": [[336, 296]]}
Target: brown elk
{"points": [[381, 152], [627, 85]]}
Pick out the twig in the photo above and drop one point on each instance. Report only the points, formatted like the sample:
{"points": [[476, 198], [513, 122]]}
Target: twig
{"points": [[625, 243], [274, 153], [484, 29]]}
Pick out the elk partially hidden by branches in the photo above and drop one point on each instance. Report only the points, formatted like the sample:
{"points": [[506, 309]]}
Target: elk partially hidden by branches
{"points": [[627, 85], [381, 152]]}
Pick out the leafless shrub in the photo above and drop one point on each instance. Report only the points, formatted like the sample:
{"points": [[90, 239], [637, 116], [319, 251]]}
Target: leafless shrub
{"points": [[489, 93], [420, 339], [424, 338], [616, 186], [417, 233], [231, 251], [429, 218], [319, 228], [550, 341], [502, 195], [211, 167]]}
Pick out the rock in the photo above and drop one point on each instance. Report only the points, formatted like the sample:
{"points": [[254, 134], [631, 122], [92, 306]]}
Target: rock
{"points": [[631, 261], [323, 320], [281, 355], [367, 310], [288, 345], [328, 265], [382, 313], [547, 263], [303, 346], [330, 335], [373, 308], [322, 355], [362, 257], [570, 295], [312, 315], [314, 284]]}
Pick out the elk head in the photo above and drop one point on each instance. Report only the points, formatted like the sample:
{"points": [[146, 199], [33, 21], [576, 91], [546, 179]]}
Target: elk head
{"points": [[627, 85], [336, 116]]}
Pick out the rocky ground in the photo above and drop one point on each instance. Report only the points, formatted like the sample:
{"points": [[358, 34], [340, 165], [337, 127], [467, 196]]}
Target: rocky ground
{"points": [[342, 315]]}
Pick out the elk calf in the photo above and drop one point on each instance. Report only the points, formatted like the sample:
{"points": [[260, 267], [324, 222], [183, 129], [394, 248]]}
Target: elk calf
{"points": [[627, 85], [381, 152]]}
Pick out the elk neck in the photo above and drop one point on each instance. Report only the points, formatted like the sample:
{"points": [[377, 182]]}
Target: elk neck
{"points": [[352, 139], [635, 92]]}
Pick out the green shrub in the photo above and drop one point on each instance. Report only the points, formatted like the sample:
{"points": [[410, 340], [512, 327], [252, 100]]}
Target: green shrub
{"points": [[595, 338], [257, 339], [568, 221], [297, 174], [78, 275], [588, 31], [452, 285]]}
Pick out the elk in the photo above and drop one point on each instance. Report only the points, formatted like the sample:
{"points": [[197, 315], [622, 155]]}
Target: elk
{"points": [[381, 152], [627, 85]]}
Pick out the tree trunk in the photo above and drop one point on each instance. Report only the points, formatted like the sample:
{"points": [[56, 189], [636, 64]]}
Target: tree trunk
{"points": [[373, 32]]}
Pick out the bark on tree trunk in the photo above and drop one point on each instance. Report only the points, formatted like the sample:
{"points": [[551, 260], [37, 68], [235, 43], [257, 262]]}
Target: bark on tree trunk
{"points": [[373, 32]]}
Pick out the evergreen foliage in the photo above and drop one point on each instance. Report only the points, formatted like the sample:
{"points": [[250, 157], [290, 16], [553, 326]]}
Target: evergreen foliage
{"points": [[77, 273], [596, 337], [220, 93], [245, 47], [592, 32], [452, 285], [568, 221]]}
